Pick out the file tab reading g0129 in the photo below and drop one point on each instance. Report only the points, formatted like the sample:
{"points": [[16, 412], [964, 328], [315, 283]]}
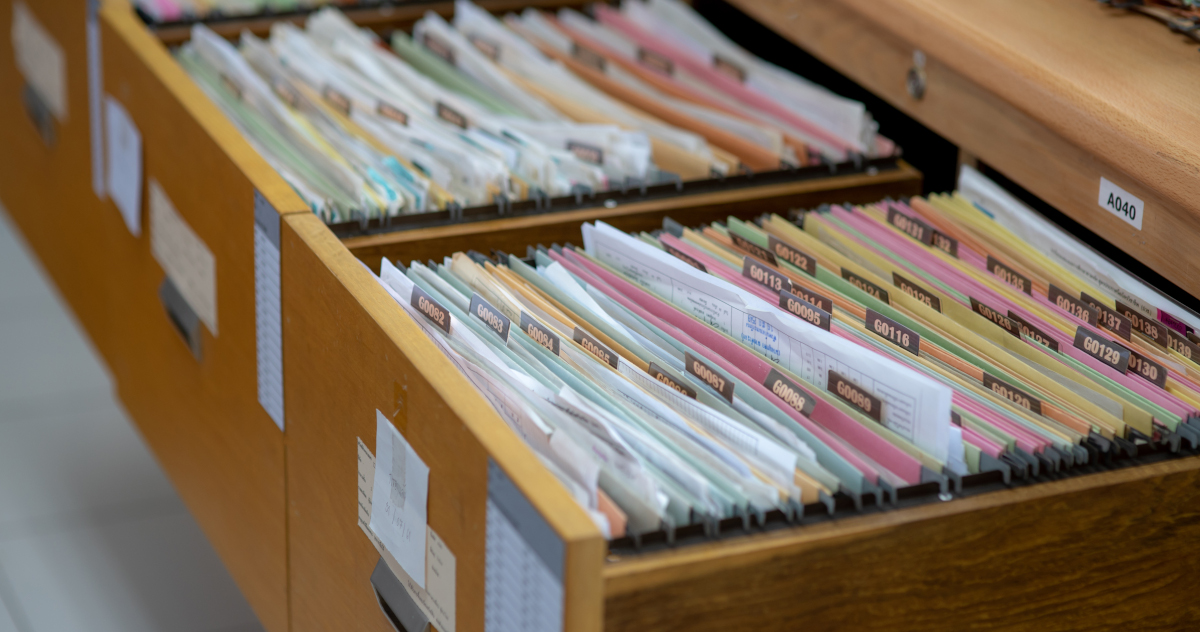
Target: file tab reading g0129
{"points": [[1106, 351]]}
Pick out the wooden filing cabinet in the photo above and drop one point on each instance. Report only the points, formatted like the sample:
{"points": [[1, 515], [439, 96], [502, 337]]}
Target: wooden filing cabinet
{"points": [[1108, 549], [200, 413]]}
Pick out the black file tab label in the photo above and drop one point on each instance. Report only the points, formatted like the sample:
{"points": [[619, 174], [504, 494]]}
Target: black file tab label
{"points": [[451, 115], [790, 392], [1148, 326], [945, 243], [794, 256], [438, 47], [587, 57], [1008, 275], [752, 248], [336, 100], [684, 257], [1012, 393], [1104, 350], [1034, 334], [714, 378], [729, 69], [758, 272], [1110, 319], [854, 395], [657, 373], [387, 111], [917, 292], [804, 309], [486, 46], [540, 333], [1183, 346], [1073, 306], [1002, 321], [1152, 371], [894, 332], [594, 347], [432, 310], [866, 286], [656, 61], [910, 226], [490, 316], [821, 302], [586, 152], [284, 91]]}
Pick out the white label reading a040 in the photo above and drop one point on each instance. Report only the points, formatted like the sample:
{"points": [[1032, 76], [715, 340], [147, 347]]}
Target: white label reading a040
{"points": [[1121, 203]]}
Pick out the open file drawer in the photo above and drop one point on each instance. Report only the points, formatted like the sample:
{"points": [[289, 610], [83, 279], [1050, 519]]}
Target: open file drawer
{"points": [[196, 391], [1109, 548]]}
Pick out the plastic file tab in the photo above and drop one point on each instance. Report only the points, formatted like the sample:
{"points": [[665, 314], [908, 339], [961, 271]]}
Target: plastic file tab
{"points": [[856, 396], [894, 332], [1104, 350], [865, 285], [805, 310], [916, 291], [1153, 329], [1074, 306], [1008, 275], [792, 255], [1109, 318], [1000, 320]]}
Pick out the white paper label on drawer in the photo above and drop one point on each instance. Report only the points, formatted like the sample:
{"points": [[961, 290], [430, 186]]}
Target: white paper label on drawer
{"points": [[523, 569], [95, 97], [399, 498], [268, 326], [40, 60], [1121, 203], [124, 163], [436, 599], [184, 256]]}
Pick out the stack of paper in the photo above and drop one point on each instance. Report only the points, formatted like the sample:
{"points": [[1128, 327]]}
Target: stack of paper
{"points": [[695, 375], [485, 110]]}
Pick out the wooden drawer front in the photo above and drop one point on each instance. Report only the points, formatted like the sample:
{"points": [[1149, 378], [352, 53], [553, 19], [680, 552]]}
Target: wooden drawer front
{"points": [[349, 352], [1103, 551]]}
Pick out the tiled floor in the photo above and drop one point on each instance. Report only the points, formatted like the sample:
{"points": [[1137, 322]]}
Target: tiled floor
{"points": [[92, 535]]}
